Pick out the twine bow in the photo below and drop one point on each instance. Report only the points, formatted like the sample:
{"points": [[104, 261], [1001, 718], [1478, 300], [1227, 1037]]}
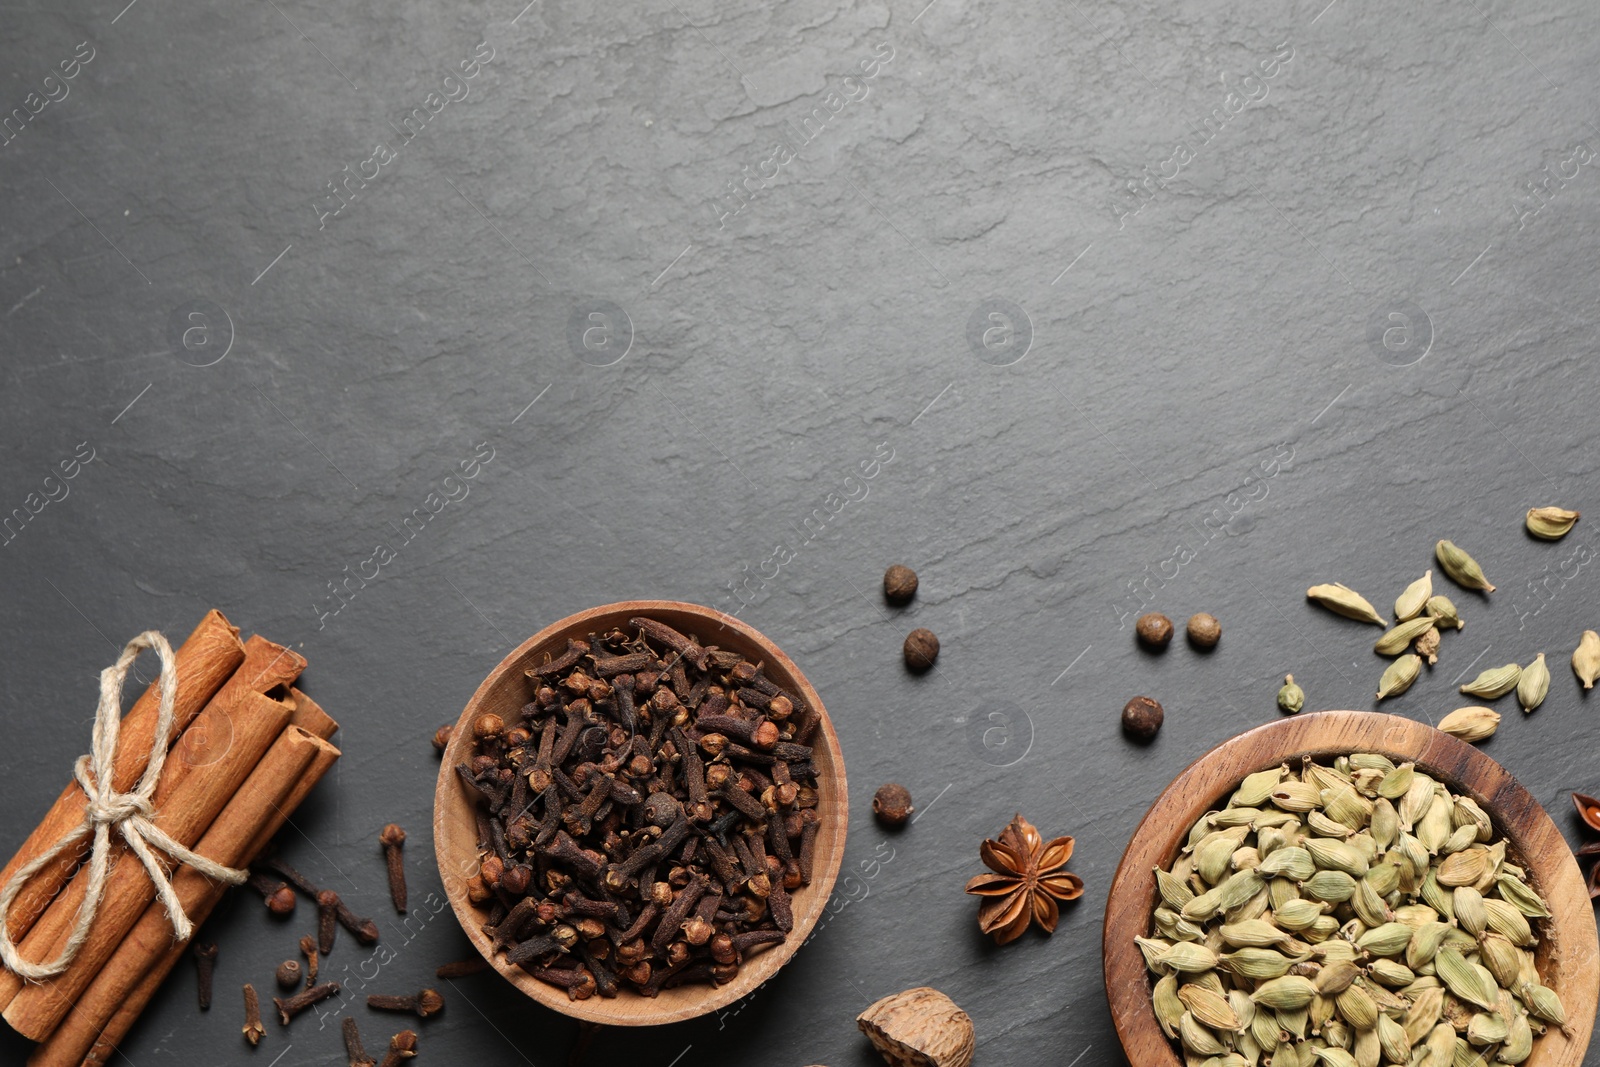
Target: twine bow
{"points": [[129, 814]]}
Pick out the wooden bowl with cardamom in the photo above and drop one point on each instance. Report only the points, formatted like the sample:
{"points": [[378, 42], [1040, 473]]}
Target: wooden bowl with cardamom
{"points": [[1567, 955], [507, 689]]}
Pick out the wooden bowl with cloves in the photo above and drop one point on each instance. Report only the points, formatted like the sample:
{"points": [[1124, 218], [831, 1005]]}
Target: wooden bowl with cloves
{"points": [[1565, 955], [641, 813]]}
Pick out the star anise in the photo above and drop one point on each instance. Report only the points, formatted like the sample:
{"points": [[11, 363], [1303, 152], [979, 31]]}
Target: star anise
{"points": [[1026, 883], [1589, 812]]}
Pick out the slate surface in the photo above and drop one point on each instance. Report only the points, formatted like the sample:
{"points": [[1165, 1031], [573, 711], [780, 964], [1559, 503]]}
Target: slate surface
{"points": [[1191, 305]]}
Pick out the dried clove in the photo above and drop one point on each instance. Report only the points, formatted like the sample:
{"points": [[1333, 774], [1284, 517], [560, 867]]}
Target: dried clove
{"points": [[327, 920], [253, 1030], [205, 962], [352, 1044], [427, 1002], [289, 1007], [392, 838], [402, 1046], [308, 946]]}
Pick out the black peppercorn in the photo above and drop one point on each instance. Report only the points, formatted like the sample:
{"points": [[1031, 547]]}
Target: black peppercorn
{"points": [[1154, 630], [899, 584], [1141, 718], [892, 804], [921, 649], [1204, 631]]}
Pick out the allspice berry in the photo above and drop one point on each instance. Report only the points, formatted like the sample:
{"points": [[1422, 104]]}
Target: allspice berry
{"points": [[892, 804], [1141, 718], [288, 974], [919, 1028], [921, 649], [1204, 631], [441, 736], [1154, 630], [899, 584]]}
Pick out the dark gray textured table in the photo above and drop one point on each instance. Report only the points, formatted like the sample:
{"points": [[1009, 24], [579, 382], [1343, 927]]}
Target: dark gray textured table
{"points": [[1072, 307]]}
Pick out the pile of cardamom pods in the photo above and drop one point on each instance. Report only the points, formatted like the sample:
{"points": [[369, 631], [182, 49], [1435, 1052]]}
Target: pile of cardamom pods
{"points": [[1349, 915]]}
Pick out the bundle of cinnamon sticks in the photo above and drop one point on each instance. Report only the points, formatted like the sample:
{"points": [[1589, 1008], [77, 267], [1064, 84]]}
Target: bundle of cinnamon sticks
{"points": [[246, 748]]}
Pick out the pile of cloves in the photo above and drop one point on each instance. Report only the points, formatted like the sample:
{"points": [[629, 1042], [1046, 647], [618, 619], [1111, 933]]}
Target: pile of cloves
{"points": [[644, 818]]}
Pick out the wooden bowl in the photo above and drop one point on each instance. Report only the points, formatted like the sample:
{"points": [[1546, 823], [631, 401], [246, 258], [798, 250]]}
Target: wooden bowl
{"points": [[1567, 952], [504, 692]]}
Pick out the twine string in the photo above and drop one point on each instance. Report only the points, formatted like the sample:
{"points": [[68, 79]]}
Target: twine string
{"points": [[130, 814]]}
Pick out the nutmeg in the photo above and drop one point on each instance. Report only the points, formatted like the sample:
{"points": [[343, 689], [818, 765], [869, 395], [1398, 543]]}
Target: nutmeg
{"points": [[919, 1028]]}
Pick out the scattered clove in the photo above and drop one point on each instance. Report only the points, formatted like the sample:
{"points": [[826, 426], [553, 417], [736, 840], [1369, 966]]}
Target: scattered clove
{"points": [[423, 1004], [402, 1046], [289, 1007], [392, 839], [253, 1030], [205, 963], [353, 1046]]}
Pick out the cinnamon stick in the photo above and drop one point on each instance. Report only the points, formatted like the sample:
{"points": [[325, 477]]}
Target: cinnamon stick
{"points": [[114, 1000], [247, 723], [109, 1008], [264, 666], [205, 661]]}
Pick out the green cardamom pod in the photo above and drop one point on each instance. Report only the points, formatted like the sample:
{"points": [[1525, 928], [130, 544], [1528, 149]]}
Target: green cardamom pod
{"points": [[1196, 1038], [1534, 684], [1188, 958], [1466, 980], [1337, 856], [1485, 1029], [1343, 600], [1443, 611], [1173, 889], [1284, 994], [1509, 923], [1256, 788], [1395, 640], [1586, 660], [1495, 682], [1399, 675], [1391, 973], [1543, 1002], [1394, 785], [1297, 915], [1332, 887], [1390, 939], [1256, 964], [1518, 1045], [1211, 1009], [1520, 896], [1410, 603], [1502, 959], [1296, 796], [1392, 1040], [1471, 724], [1461, 568], [1293, 862], [1291, 697], [1550, 524], [1169, 1009], [1467, 903]]}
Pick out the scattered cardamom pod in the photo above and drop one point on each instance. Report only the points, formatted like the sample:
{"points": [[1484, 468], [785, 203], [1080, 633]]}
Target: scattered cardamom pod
{"points": [[1471, 724], [1534, 684], [1462, 568], [1410, 603], [1399, 676], [1394, 641], [1443, 611], [1586, 660], [1550, 524], [1345, 601], [1291, 697], [1495, 682]]}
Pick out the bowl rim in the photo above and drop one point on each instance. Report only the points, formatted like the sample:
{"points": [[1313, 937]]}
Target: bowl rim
{"points": [[682, 1002], [1568, 951]]}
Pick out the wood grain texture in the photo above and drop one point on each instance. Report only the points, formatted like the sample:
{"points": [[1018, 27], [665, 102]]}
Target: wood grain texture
{"points": [[504, 692], [1567, 953]]}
